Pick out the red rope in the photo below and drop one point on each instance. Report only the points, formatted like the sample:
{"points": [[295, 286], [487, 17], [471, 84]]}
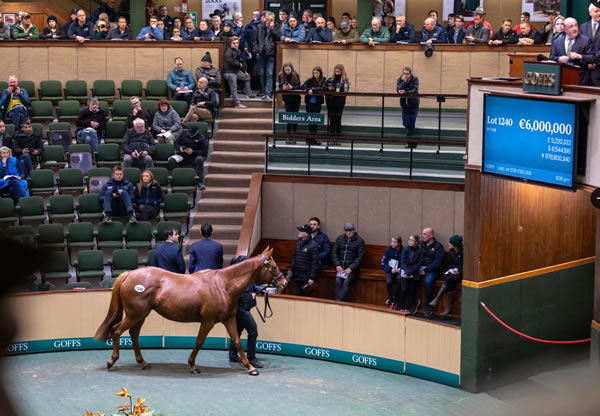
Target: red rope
{"points": [[545, 341]]}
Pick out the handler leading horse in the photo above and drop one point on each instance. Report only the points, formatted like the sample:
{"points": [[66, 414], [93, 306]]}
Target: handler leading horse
{"points": [[207, 296]]}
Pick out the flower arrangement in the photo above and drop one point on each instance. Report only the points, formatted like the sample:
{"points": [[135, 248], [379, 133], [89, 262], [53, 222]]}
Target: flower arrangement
{"points": [[127, 409]]}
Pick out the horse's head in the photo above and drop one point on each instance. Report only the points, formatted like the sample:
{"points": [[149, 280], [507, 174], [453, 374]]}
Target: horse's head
{"points": [[271, 274]]}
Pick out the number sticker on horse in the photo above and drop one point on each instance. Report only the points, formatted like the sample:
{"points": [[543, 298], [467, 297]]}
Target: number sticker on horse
{"points": [[139, 288]]}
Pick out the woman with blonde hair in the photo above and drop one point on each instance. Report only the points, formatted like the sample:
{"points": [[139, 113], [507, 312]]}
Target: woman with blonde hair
{"points": [[288, 79], [11, 174], [148, 196], [338, 83]]}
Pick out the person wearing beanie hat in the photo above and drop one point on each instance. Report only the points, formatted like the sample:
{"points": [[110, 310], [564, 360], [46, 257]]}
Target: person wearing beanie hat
{"points": [[208, 71], [52, 30], [346, 35], [192, 149], [453, 275], [305, 263]]}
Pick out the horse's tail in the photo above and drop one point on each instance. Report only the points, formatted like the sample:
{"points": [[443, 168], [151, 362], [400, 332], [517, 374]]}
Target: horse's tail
{"points": [[115, 311]]}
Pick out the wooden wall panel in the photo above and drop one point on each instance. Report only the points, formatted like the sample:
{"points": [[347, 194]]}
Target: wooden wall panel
{"points": [[10, 62], [472, 235], [33, 64], [62, 64], [91, 64], [525, 227], [120, 65]]}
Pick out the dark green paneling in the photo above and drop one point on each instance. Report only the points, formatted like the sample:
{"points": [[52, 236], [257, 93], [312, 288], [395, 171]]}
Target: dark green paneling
{"points": [[577, 9], [595, 349], [553, 306], [364, 12]]}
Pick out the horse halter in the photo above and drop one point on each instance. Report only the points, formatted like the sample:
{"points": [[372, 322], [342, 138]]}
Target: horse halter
{"points": [[274, 275]]}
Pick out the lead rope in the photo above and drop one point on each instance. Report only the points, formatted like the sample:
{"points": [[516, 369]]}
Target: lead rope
{"points": [[264, 315]]}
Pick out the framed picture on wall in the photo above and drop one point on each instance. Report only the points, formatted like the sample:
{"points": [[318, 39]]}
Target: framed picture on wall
{"points": [[539, 9], [464, 7], [9, 18]]}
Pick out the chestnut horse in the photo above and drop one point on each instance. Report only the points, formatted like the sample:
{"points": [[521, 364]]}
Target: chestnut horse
{"points": [[207, 296]]}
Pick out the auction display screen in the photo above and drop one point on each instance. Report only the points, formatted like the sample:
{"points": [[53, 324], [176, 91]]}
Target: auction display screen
{"points": [[531, 140]]}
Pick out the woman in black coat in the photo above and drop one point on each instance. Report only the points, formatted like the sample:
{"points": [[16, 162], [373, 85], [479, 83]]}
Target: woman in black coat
{"points": [[314, 102], [335, 103], [453, 275], [288, 79], [148, 196]]}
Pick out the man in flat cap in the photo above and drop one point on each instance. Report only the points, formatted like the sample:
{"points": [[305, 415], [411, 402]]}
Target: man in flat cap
{"points": [[348, 253]]}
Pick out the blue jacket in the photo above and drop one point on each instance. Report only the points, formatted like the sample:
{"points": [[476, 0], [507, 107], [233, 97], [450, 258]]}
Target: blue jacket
{"points": [[206, 254], [116, 34], [391, 254], [412, 259], [6, 97], [151, 195], [168, 257], [437, 35], [113, 186], [298, 34], [324, 247], [460, 37], [240, 33], [249, 34], [406, 34], [180, 79], [319, 35], [186, 35], [157, 33], [86, 31]]}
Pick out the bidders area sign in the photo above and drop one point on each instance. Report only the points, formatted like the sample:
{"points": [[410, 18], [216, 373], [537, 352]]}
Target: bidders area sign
{"points": [[301, 118]]}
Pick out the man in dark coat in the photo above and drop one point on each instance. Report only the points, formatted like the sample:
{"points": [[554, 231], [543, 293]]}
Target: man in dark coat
{"points": [[27, 147], [573, 48], [267, 34], [408, 84], [245, 320], [81, 29], [305, 263], [168, 254], [138, 144], [192, 149], [117, 197], [321, 239], [348, 253], [433, 254], [91, 124], [206, 253]]}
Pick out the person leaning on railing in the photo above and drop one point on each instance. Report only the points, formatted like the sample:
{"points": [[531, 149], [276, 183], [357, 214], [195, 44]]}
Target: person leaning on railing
{"points": [[314, 102], [338, 83], [408, 84], [346, 35], [288, 79]]}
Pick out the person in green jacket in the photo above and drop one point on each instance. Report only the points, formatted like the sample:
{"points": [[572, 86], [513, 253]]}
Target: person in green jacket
{"points": [[26, 30], [376, 33]]}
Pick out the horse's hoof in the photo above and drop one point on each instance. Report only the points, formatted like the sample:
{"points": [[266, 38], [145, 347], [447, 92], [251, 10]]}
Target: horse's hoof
{"points": [[253, 372], [109, 365], [146, 367], [195, 371]]}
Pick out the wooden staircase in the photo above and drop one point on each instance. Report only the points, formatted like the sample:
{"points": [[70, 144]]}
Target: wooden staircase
{"points": [[238, 152]]}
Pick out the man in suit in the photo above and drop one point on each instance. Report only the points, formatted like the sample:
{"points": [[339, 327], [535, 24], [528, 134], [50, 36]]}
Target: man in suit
{"points": [[168, 254], [206, 253], [591, 29], [574, 48]]}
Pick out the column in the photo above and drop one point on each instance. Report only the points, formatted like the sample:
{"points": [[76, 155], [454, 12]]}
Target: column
{"points": [[364, 12], [595, 347], [137, 17]]}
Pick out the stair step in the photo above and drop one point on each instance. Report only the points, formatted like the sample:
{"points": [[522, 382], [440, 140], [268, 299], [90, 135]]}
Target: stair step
{"points": [[238, 145], [217, 217], [223, 205], [227, 179], [220, 232], [251, 103], [246, 124], [237, 157], [234, 134], [226, 168], [225, 192], [256, 112]]}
